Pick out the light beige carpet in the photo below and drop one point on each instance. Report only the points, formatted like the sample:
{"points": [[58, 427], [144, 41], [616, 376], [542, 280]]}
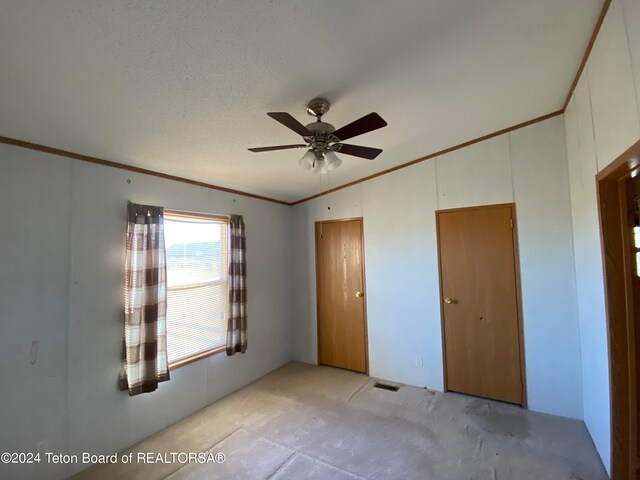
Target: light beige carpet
{"points": [[308, 422]]}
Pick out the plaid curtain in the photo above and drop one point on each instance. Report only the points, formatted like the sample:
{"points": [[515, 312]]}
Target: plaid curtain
{"points": [[144, 350], [237, 322]]}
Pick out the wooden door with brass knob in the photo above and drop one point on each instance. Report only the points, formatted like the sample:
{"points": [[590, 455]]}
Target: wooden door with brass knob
{"points": [[342, 329], [480, 302]]}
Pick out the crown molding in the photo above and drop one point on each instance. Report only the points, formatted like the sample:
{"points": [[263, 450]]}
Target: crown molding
{"points": [[109, 163], [436, 154], [131, 168], [583, 63], [587, 52]]}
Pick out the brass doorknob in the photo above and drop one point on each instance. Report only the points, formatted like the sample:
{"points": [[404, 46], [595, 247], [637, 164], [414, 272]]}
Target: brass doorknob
{"points": [[450, 300], [359, 294]]}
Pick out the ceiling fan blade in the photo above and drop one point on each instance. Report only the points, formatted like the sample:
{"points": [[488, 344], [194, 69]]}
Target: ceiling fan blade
{"points": [[288, 121], [277, 147], [358, 151], [368, 123]]}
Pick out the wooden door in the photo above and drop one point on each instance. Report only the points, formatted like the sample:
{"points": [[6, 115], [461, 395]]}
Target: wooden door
{"points": [[619, 210], [342, 332], [480, 309]]}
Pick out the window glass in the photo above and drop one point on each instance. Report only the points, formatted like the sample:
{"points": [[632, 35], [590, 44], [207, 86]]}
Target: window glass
{"points": [[196, 249]]}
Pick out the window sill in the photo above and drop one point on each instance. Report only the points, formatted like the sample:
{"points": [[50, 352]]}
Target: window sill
{"points": [[199, 356]]}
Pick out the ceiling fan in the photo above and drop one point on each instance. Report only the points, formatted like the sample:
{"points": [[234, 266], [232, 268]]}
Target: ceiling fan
{"points": [[323, 141]]}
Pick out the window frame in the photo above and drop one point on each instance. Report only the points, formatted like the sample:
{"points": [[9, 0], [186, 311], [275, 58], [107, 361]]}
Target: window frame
{"points": [[207, 216]]}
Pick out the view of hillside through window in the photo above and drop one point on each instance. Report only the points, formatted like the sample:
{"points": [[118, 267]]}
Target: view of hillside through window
{"points": [[196, 280]]}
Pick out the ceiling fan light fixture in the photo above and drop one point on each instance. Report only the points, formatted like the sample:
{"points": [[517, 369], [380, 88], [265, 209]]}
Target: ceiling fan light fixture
{"points": [[322, 139], [327, 162], [321, 167], [307, 162], [331, 161]]}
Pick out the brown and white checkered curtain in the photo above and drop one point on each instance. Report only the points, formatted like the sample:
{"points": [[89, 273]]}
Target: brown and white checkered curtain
{"points": [[145, 361], [237, 322]]}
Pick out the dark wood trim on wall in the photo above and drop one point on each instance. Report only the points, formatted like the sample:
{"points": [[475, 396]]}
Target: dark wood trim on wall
{"points": [[108, 163], [436, 154], [622, 314], [585, 57], [131, 168]]}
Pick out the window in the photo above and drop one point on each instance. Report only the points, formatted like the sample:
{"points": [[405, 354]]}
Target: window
{"points": [[196, 247]]}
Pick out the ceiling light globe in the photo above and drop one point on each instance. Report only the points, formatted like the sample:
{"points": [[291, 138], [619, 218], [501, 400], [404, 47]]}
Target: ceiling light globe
{"points": [[331, 161], [307, 162]]}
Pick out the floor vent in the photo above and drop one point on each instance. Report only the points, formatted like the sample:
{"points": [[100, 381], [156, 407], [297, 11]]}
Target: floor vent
{"points": [[384, 386]]}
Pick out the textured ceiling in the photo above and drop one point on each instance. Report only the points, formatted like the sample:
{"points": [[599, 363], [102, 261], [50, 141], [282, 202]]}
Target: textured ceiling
{"points": [[183, 87]]}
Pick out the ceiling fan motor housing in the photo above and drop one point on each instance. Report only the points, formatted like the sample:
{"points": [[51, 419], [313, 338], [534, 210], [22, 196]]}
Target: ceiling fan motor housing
{"points": [[321, 127], [322, 136]]}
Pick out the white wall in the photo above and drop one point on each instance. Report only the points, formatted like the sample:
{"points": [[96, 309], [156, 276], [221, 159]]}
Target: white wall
{"points": [[528, 167], [601, 122], [34, 311], [62, 253]]}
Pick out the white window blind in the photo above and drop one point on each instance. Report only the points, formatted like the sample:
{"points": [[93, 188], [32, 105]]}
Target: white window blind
{"points": [[196, 249]]}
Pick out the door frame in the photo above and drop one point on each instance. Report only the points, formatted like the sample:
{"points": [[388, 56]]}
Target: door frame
{"points": [[618, 290], [516, 258], [364, 287]]}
